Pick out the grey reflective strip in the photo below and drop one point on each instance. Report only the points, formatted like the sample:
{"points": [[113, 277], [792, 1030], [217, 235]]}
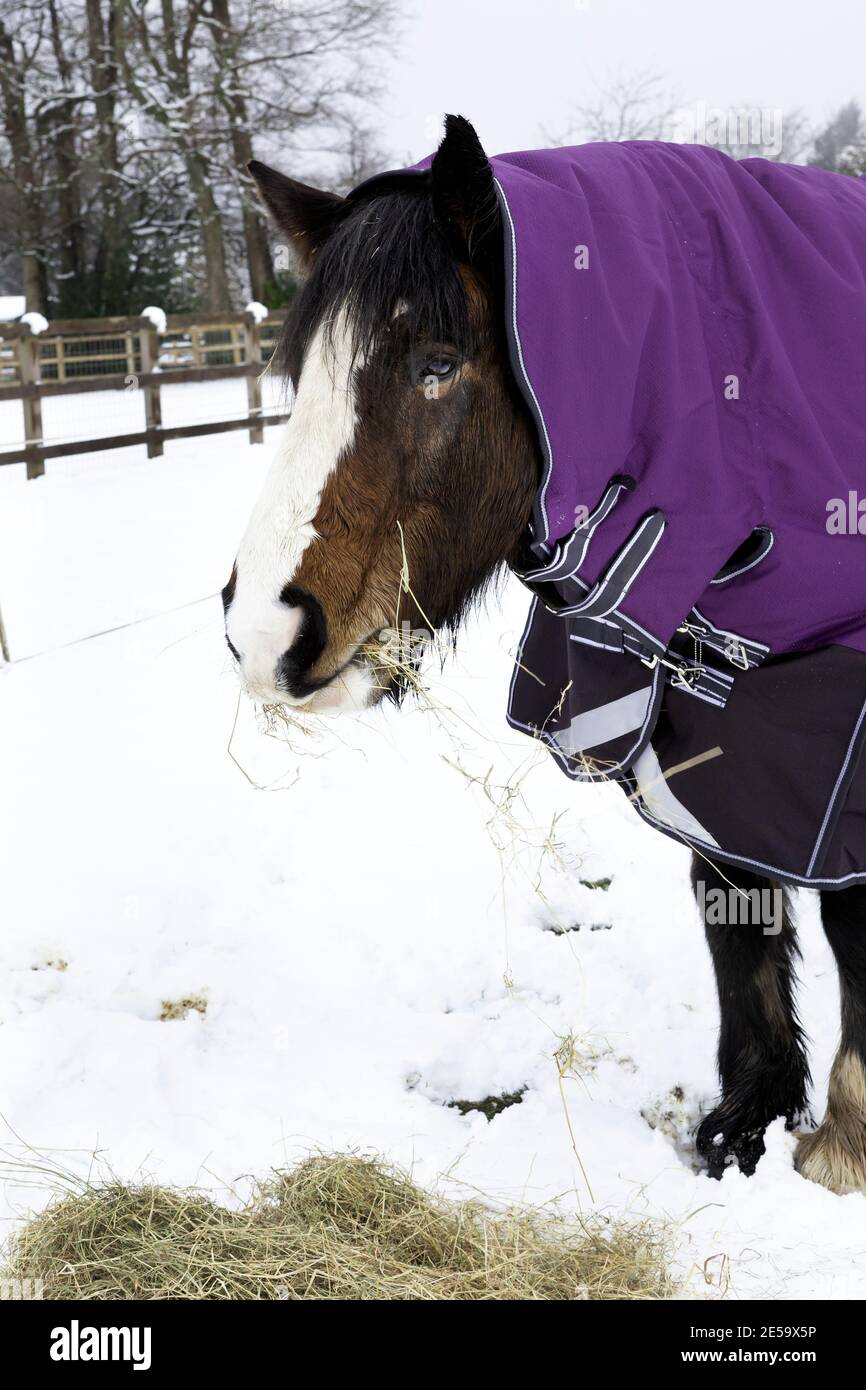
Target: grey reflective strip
{"points": [[660, 801], [605, 722]]}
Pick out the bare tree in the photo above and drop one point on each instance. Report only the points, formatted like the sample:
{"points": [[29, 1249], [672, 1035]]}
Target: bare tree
{"points": [[126, 127], [164, 46], [18, 58], [232, 97], [295, 80], [630, 106], [62, 117], [77, 185], [104, 43], [638, 106]]}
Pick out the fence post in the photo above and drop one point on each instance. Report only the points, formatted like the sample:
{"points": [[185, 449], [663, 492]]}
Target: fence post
{"points": [[253, 354], [149, 351], [28, 370]]}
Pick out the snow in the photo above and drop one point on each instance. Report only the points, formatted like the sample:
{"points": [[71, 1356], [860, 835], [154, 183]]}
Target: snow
{"points": [[366, 952], [96, 414], [37, 323], [11, 307], [157, 317], [258, 311]]}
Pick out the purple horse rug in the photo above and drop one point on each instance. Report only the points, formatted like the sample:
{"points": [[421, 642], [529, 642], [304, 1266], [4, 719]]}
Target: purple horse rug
{"points": [[689, 334]]}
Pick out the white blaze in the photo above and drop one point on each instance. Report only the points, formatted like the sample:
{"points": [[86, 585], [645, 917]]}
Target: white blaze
{"points": [[320, 430]]}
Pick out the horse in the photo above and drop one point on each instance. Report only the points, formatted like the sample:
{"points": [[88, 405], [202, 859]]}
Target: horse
{"points": [[411, 449]]}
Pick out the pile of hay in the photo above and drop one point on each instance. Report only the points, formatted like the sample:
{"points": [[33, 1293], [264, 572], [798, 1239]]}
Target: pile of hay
{"points": [[337, 1227]]}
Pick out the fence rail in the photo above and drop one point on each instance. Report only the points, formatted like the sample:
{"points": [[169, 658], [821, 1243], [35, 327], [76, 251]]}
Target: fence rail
{"points": [[74, 356]]}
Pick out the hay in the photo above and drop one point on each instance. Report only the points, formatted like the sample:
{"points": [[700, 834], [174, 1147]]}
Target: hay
{"points": [[173, 1009], [336, 1227]]}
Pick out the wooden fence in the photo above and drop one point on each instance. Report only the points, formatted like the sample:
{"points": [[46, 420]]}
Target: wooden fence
{"points": [[74, 356]]}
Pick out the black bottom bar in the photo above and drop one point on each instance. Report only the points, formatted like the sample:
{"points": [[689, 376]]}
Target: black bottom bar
{"points": [[609, 1338]]}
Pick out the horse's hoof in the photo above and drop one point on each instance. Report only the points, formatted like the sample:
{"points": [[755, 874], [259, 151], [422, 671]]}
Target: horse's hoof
{"points": [[835, 1155], [833, 1158], [721, 1146]]}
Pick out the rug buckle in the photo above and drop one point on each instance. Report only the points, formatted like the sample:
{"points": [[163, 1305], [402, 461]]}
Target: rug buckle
{"points": [[737, 654], [687, 677]]}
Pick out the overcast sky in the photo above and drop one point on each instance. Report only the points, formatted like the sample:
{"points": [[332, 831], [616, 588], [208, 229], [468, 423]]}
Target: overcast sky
{"points": [[515, 66]]}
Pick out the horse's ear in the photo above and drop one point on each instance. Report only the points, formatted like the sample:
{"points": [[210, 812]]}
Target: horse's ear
{"points": [[464, 192], [306, 215]]}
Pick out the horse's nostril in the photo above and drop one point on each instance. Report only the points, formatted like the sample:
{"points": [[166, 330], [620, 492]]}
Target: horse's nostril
{"points": [[228, 592], [308, 645]]}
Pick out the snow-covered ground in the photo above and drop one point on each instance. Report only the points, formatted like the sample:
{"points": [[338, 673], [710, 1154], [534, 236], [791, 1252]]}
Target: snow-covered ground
{"points": [[365, 952]]}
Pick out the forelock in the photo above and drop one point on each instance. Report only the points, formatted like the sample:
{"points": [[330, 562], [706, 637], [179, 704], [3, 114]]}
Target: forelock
{"points": [[389, 257]]}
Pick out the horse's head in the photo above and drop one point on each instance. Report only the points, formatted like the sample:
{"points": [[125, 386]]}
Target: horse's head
{"points": [[406, 473]]}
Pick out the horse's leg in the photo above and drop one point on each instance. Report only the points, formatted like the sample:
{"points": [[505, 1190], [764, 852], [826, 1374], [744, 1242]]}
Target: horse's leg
{"points": [[762, 1057], [835, 1155]]}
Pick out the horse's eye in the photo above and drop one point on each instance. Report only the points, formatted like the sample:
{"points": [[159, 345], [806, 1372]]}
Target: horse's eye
{"points": [[439, 368]]}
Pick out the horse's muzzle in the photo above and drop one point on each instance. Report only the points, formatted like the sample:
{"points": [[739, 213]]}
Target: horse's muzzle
{"points": [[276, 643]]}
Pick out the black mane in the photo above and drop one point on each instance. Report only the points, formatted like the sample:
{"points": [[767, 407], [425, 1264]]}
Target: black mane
{"points": [[389, 249]]}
